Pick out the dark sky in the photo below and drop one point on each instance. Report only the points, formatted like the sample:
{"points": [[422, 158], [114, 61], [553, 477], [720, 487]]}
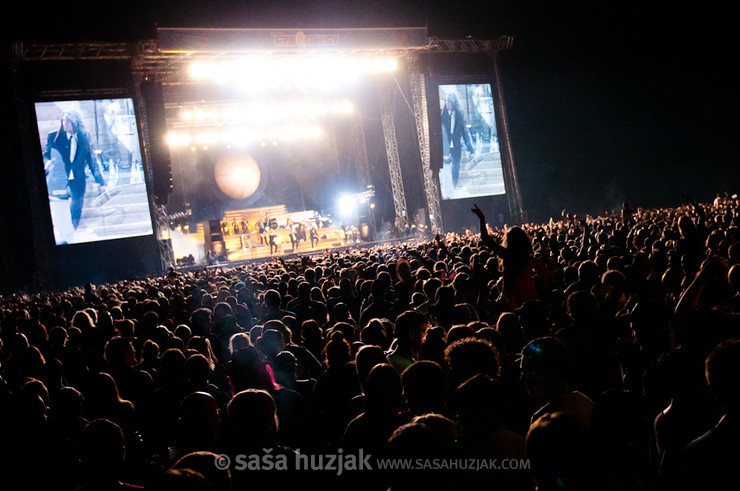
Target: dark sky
{"points": [[627, 101]]}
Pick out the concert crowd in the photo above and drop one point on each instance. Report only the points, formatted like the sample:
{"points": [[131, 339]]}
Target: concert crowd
{"points": [[584, 353]]}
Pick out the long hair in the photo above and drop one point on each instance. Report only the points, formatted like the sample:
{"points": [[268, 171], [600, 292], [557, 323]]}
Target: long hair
{"points": [[453, 99], [75, 119]]}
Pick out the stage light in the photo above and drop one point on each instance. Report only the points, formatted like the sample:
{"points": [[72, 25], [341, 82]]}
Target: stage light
{"points": [[346, 203], [198, 70], [324, 72], [241, 135], [341, 107]]}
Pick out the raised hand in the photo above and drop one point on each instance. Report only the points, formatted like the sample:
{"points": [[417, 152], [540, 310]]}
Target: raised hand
{"points": [[478, 212]]}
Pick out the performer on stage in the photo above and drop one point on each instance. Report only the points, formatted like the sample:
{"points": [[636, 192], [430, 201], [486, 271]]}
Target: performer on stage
{"points": [[73, 144], [273, 244], [293, 239], [314, 237], [261, 232], [297, 234]]}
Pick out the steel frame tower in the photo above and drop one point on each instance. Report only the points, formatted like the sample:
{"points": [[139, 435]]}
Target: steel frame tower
{"points": [[391, 149], [421, 117]]}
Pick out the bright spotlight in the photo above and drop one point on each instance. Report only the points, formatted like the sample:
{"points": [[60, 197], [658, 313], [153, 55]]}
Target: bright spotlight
{"points": [[198, 70], [346, 203]]}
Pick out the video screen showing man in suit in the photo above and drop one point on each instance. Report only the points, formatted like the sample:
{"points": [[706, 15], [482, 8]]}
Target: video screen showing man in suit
{"points": [[93, 168], [471, 155]]}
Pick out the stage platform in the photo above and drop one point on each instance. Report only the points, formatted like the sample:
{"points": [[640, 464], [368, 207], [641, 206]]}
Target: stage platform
{"points": [[235, 260], [251, 244], [248, 246]]}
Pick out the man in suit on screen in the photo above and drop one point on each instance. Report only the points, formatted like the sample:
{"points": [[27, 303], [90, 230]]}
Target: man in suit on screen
{"points": [[73, 144], [455, 133]]}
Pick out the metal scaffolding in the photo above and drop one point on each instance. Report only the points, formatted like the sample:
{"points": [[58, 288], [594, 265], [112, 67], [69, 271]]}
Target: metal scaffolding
{"points": [[360, 152], [421, 117], [166, 254], [391, 150]]}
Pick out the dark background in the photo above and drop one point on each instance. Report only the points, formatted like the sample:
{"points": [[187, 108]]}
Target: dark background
{"points": [[631, 101]]}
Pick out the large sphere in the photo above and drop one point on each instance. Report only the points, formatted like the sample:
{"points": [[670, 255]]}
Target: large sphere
{"points": [[237, 175]]}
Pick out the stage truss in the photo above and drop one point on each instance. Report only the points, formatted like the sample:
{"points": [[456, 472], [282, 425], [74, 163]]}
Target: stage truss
{"points": [[151, 63]]}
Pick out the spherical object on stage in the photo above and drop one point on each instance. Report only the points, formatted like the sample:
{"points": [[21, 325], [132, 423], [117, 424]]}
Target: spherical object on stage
{"points": [[237, 175]]}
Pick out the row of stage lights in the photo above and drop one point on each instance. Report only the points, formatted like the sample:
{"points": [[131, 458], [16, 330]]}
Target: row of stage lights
{"points": [[347, 203], [261, 73], [265, 112], [243, 136]]}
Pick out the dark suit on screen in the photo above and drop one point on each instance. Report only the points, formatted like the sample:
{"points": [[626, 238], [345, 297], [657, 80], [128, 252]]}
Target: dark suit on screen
{"points": [[455, 135], [74, 167]]}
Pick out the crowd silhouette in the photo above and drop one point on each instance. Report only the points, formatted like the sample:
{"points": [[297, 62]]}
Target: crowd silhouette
{"points": [[598, 353]]}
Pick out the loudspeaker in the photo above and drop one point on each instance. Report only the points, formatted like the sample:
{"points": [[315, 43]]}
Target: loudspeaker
{"points": [[214, 230], [159, 153], [212, 235]]}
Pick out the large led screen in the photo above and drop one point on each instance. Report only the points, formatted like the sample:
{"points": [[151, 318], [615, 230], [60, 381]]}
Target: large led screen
{"points": [[471, 154], [94, 172]]}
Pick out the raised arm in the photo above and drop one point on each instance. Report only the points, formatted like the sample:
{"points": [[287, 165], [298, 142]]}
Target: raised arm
{"points": [[711, 268], [490, 242], [585, 240]]}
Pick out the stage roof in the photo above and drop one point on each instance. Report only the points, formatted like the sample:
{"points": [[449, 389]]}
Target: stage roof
{"points": [[236, 41]]}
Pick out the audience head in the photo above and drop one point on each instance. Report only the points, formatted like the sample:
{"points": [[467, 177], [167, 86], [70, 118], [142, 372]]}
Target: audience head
{"points": [[723, 374], [545, 366]]}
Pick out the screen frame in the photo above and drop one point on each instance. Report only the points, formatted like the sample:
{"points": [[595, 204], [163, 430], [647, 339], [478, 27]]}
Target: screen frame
{"points": [[100, 95], [435, 121]]}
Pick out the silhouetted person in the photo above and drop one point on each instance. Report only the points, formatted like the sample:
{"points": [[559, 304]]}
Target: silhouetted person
{"points": [[103, 453], [558, 452], [411, 329], [545, 367], [710, 460]]}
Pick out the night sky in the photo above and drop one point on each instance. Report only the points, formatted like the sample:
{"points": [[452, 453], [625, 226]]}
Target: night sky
{"points": [[630, 101]]}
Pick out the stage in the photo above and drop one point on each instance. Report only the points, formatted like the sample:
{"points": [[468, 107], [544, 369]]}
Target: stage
{"points": [[246, 234], [237, 259], [178, 135]]}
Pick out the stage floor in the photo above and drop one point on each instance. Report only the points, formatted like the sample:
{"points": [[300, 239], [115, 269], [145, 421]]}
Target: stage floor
{"points": [[238, 259], [262, 250]]}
